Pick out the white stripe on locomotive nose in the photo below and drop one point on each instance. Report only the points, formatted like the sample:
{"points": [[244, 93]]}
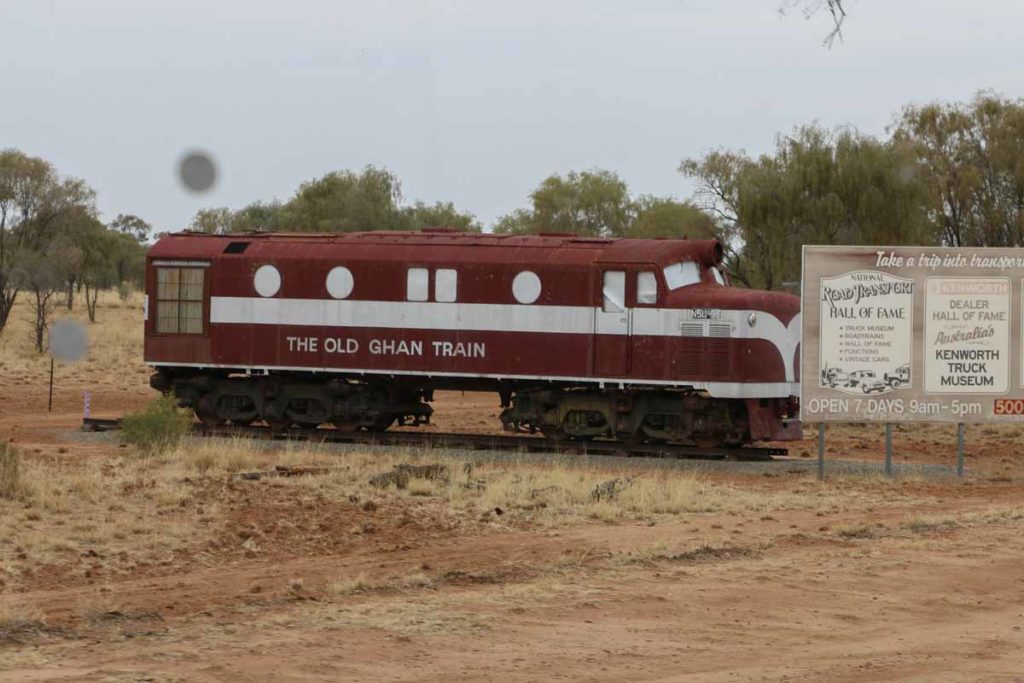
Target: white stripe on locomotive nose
{"points": [[660, 322]]}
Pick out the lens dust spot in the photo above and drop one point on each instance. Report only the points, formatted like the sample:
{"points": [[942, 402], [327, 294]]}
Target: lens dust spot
{"points": [[197, 171]]}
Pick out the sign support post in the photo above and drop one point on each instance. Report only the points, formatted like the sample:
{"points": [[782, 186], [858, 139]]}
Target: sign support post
{"points": [[960, 450], [888, 449], [821, 451]]}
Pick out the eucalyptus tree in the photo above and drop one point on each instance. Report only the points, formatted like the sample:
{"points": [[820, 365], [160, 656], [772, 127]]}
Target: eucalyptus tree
{"points": [[972, 158], [818, 186]]}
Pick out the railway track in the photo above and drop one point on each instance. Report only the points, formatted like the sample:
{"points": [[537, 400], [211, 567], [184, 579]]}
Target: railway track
{"points": [[477, 442]]}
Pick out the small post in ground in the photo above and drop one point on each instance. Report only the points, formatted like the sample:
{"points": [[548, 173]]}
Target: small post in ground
{"points": [[49, 403], [888, 449], [821, 451]]}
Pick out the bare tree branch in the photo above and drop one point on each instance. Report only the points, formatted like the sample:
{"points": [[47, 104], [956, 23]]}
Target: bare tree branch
{"points": [[811, 7]]}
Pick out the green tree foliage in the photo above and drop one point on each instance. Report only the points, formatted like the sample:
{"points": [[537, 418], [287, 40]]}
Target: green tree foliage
{"points": [[40, 212], [130, 224], [517, 222], [344, 201], [51, 240], [127, 257], [268, 217], [438, 215], [818, 187], [42, 274], [666, 217], [101, 251], [213, 221], [972, 159], [594, 203], [341, 201], [597, 203]]}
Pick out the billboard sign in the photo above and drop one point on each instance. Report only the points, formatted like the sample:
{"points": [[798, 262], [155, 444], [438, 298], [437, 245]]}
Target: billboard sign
{"points": [[912, 334]]}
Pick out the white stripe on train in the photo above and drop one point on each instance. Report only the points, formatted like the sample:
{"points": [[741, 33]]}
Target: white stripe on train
{"points": [[662, 322]]}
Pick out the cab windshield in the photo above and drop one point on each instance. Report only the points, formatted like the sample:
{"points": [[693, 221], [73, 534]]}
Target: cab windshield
{"points": [[681, 274]]}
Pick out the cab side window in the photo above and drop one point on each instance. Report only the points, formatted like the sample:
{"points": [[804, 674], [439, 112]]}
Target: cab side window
{"points": [[446, 285], [417, 284], [179, 300], [646, 288], [614, 291]]}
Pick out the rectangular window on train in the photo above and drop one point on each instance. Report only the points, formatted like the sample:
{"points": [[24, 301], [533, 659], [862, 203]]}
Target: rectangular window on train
{"points": [[417, 284], [446, 283], [179, 300], [614, 291], [646, 288]]}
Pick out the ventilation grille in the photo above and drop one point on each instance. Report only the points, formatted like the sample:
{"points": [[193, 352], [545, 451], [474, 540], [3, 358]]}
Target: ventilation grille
{"points": [[717, 353], [691, 329], [720, 330]]}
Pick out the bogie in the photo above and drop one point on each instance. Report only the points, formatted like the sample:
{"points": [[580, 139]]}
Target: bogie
{"points": [[661, 416], [284, 401]]}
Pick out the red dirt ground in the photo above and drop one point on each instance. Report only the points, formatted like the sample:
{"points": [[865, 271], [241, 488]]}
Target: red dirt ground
{"points": [[848, 593]]}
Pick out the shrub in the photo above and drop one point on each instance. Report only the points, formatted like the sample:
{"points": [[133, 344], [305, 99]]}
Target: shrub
{"points": [[11, 486], [156, 428], [124, 290]]}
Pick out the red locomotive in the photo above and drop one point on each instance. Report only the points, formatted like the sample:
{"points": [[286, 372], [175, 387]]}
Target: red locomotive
{"points": [[640, 340]]}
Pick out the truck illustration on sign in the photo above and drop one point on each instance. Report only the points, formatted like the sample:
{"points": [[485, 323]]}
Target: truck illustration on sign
{"points": [[833, 377], [900, 377], [867, 381]]}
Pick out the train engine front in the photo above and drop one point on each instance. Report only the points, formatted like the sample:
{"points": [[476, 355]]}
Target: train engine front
{"points": [[680, 355]]}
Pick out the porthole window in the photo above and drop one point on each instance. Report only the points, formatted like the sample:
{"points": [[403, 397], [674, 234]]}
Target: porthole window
{"points": [[340, 282], [267, 280], [526, 287]]}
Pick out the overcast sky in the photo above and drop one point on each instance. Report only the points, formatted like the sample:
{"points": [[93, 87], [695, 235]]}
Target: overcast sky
{"points": [[473, 102]]}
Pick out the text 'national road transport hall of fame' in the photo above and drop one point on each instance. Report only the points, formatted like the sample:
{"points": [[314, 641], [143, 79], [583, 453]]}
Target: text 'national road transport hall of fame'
{"points": [[912, 334]]}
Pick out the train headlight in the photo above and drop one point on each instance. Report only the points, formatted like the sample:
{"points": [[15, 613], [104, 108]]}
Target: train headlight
{"points": [[752, 319]]}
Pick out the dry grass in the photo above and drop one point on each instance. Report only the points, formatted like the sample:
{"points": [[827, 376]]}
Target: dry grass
{"points": [[934, 523], [121, 514], [115, 345], [361, 583], [11, 485], [552, 493], [125, 511], [18, 619]]}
